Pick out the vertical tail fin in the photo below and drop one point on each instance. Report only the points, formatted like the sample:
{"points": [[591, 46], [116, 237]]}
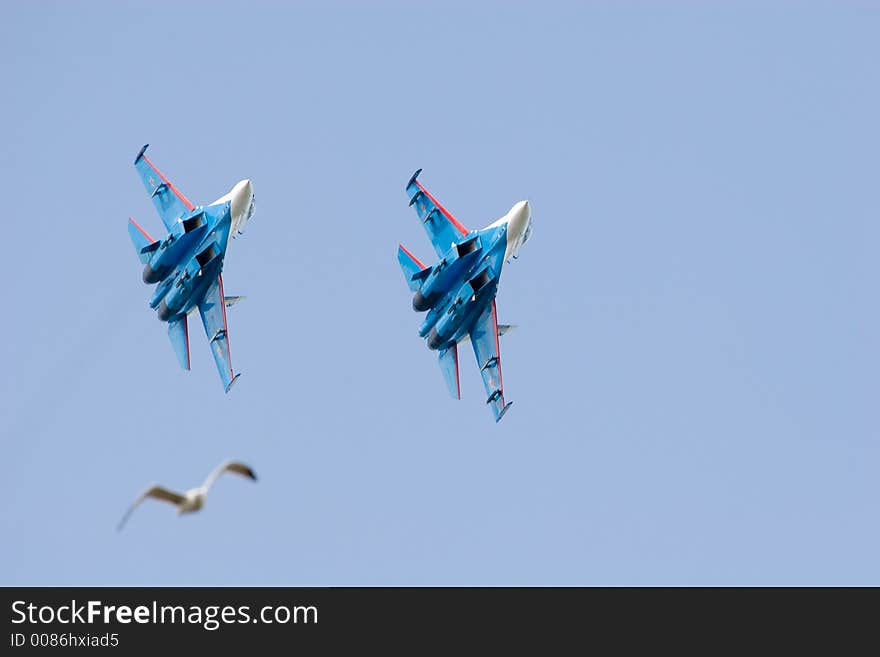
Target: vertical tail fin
{"points": [[178, 332], [143, 243], [449, 367], [413, 270]]}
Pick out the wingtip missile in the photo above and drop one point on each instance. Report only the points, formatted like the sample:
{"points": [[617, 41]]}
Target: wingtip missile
{"points": [[141, 153], [503, 411], [232, 383], [413, 178]]}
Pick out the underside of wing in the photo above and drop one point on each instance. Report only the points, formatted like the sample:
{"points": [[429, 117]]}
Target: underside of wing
{"points": [[484, 338], [443, 229], [213, 312], [155, 492], [163, 494], [169, 202]]}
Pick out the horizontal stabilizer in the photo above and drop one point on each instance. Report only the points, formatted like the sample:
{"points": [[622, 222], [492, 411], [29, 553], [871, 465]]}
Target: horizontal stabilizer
{"points": [[231, 301], [178, 332], [413, 270], [143, 243], [449, 367]]}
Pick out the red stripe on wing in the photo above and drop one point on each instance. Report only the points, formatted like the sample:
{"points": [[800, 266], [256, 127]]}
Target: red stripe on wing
{"points": [[457, 380], [446, 213], [226, 327], [497, 351], [184, 199], [186, 338]]}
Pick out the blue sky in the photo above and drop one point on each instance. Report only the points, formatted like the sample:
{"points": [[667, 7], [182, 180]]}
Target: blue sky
{"points": [[695, 373]]}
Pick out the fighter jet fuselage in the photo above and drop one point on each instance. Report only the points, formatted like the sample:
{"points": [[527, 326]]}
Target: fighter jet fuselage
{"points": [[186, 265], [458, 292], [458, 288]]}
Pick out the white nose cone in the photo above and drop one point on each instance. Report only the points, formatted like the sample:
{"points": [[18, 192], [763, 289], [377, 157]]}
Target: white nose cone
{"points": [[517, 224], [242, 204]]}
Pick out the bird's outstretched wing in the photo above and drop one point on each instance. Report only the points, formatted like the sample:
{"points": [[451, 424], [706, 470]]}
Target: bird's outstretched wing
{"points": [[156, 492], [229, 466]]}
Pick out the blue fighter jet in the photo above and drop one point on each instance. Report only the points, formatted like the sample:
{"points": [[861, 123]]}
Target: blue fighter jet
{"points": [[187, 264], [459, 291]]}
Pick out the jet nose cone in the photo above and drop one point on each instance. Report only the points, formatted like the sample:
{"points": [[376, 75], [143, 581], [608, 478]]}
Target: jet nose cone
{"points": [[523, 210], [242, 204], [244, 190]]}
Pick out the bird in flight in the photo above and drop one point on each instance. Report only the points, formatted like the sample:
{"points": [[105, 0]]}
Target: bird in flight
{"points": [[193, 499]]}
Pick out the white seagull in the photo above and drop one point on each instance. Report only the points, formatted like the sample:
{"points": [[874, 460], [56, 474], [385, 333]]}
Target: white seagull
{"points": [[193, 499]]}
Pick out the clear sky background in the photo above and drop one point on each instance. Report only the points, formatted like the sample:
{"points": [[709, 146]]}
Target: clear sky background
{"points": [[695, 373]]}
